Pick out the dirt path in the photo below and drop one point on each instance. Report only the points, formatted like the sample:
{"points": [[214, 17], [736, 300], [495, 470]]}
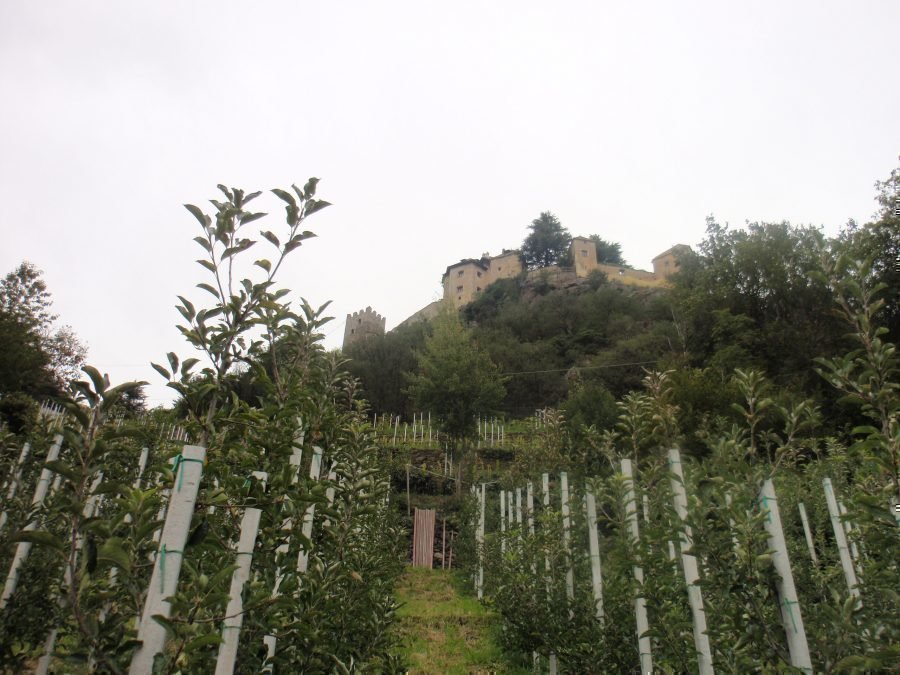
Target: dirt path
{"points": [[446, 631]]}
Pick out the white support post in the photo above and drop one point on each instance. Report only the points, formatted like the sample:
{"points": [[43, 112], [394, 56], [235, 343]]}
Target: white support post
{"points": [[529, 506], [840, 537], [296, 459], [510, 511], [24, 547], [234, 613], [567, 536], [791, 616], [502, 521], [545, 486], [640, 603], [12, 485], [396, 428], [848, 528], [689, 564], [590, 507], [166, 569], [519, 510], [479, 535], [734, 540], [807, 532], [315, 468]]}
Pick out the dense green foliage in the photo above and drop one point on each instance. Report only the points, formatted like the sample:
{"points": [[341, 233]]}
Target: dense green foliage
{"points": [[37, 359], [724, 528], [331, 614]]}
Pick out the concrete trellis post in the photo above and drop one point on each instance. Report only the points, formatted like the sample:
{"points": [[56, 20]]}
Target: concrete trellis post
{"points": [[164, 580], [791, 616], [24, 547], [12, 485], [590, 507], [519, 510], [840, 537], [545, 486], [502, 521], [479, 535], [315, 468], [848, 528], [807, 533], [640, 603], [234, 613], [567, 535], [689, 564]]}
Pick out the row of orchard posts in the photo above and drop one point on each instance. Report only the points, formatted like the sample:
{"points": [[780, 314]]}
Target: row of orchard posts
{"points": [[419, 431], [513, 510], [177, 511]]}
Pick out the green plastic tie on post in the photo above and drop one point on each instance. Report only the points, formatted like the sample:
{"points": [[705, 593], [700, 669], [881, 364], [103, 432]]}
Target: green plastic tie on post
{"points": [[162, 567], [179, 460], [787, 604]]}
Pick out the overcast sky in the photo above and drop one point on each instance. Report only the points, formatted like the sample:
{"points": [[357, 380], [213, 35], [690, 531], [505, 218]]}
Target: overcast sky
{"points": [[439, 130]]}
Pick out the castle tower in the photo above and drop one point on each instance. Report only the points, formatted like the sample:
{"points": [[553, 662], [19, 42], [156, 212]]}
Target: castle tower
{"points": [[361, 325], [584, 256]]}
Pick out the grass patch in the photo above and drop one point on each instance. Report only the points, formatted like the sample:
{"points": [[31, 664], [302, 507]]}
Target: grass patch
{"points": [[444, 630]]}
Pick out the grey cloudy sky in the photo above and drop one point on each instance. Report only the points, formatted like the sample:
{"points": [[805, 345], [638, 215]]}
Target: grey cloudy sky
{"points": [[440, 130]]}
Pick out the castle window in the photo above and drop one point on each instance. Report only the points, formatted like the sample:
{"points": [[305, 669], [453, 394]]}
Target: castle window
{"points": [[359, 321], [478, 273], [460, 273], [459, 289], [352, 331], [499, 267], [478, 289], [584, 252]]}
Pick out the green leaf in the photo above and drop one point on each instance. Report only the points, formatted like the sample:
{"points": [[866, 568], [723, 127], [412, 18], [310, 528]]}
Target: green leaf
{"points": [[62, 468], [204, 242], [187, 365], [113, 552], [162, 371], [265, 264], [309, 190], [271, 238], [41, 538], [315, 205], [207, 264], [100, 381], [202, 641], [173, 361], [250, 217], [209, 289], [191, 312], [285, 196], [198, 214]]}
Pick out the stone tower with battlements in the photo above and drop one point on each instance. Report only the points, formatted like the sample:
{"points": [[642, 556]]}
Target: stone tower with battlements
{"points": [[361, 325]]}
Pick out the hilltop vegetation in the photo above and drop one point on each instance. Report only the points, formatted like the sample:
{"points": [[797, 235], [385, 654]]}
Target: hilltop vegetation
{"points": [[751, 298]]}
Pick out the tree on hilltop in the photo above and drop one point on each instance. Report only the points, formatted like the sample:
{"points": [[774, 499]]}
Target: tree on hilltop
{"points": [[548, 243], [608, 252], [456, 380]]}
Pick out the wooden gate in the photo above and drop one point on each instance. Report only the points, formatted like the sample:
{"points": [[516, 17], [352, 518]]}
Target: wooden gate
{"points": [[423, 538]]}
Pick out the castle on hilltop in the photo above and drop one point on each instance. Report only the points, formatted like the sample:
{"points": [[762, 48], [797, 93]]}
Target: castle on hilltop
{"points": [[466, 280]]}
